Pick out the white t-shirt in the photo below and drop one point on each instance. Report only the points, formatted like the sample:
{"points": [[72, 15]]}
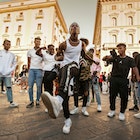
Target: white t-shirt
{"points": [[72, 53], [36, 61], [49, 61]]}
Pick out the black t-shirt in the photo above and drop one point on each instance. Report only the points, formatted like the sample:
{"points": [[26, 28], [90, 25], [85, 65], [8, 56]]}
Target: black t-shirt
{"points": [[121, 66], [137, 61]]}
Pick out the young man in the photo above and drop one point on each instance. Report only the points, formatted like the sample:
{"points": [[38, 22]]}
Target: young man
{"points": [[118, 81], [70, 52], [35, 73], [7, 66]]}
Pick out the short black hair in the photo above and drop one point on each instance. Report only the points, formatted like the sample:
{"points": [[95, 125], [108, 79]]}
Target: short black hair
{"points": [[38, 38], [6, 40], [50, 45], [121, 44]]}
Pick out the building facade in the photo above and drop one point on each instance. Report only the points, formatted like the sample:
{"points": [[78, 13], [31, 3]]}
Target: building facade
{"points": [[117, 21], [23, 20]]}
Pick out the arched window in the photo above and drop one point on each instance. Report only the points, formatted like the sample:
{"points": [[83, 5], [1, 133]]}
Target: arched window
{"points": [[130, 39], [18, 42], [130, 20], [114, 21], [114, 38]]}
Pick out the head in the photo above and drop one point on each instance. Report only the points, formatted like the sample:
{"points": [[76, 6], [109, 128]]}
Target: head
{"points": [[74, 28], [91, 50], [51, 49], [37, 41], [7, 44], [135, 54], [121, 47], [24, 67]]}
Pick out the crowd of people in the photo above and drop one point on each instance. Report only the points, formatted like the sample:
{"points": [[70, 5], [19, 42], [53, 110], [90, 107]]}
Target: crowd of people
{"points": [[72, 71]]}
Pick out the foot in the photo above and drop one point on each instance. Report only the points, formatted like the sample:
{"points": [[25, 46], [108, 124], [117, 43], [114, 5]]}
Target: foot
{"points": [[3, 92], [52, 104], [74, 111], [12, 105], [37, 104], [46, 110], [111, 113], [135, 108], [30, 105], [121, 116], [84, 111], [137, 115], [88, 104], [67, 126], [99, 108]]}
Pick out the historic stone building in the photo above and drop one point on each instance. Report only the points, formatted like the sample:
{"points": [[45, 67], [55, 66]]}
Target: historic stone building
{"points": [[117, 21], [23, 20]]}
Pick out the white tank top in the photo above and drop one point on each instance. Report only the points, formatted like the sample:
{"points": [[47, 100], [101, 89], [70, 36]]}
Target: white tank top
{"points": [[72, 53]]}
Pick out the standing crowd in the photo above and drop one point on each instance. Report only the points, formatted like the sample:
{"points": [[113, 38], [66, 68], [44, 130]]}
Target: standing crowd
{"points": [[75, 71]]}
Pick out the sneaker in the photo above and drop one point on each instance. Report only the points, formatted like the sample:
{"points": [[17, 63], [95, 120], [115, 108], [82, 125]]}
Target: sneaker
{"points": [[37, 104], [74, 111], [3, 92], [111, 114], [13, 104], [30, 105], [121, 117], [52, 104], [135, 108], [99, 108], [67, 126], [137, 115], [88, 104], [84, 111], [46, 110]]}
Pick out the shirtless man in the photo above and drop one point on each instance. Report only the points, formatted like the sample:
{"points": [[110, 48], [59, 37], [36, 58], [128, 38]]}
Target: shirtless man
{"points": [[69, 51]]}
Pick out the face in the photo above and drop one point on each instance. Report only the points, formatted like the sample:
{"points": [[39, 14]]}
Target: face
{"points": [[37, 42], [7, 45], [51, 50], [74, 28], [121, 50]]}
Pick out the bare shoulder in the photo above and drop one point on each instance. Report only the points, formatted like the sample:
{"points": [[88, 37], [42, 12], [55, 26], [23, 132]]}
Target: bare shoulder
{"points": [[62, 46]]}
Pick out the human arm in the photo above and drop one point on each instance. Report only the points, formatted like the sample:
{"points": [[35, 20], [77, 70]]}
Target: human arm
{"points": [[60, 52], [136, 73], [38, 51]]}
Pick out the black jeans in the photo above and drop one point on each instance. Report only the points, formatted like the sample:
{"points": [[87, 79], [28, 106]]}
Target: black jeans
{"points": [[66, 74], [119, 85]]}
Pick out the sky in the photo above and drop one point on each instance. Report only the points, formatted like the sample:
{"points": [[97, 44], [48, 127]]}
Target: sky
{"points": [[81, 11]]}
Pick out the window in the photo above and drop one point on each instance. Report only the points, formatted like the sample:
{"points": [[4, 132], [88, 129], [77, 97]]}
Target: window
{"points": [[114, 21], [39, 26], [19, 28], [8, 16], [6, 29], [130, 20], [130, 39], [21, 14], [129, 5], [40, 12], [18, 42], [113, 7], [114, 38]]}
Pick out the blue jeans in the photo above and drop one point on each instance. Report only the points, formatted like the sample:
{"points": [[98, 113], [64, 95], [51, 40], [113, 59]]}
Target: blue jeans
{"points": [[35, 75], [8, 85], [96, 89]]}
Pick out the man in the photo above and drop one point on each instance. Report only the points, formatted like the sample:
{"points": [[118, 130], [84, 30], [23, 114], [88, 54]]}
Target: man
{"points": [[134, 85], [118, 81], [7, 66], [35, 73], [69, 51]]}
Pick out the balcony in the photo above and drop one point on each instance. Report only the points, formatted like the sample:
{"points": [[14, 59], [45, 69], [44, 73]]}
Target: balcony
{"points": [[38, 16], [19, 18], [7, 19]]}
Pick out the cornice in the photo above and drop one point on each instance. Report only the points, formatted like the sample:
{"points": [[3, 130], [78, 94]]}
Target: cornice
{"points": [[104, 1]]}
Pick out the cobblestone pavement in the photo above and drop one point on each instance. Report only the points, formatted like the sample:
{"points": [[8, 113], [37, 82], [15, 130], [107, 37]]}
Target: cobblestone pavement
{"points": [[34, 124]]}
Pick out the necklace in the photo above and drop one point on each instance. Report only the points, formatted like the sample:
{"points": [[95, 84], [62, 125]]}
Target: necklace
{"points": [[74, 43]]}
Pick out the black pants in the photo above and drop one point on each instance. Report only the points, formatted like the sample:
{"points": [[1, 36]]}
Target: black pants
{"points": [[66, 74], [48, 78], [118, 85]]}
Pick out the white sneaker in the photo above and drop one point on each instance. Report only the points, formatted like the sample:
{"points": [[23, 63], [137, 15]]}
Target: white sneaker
{"points": [[52, 104], [137, 115], [46, 110], [74, 111], [67, 126], [111, 114], [84, 111], [88, 104], [121, 117], [13, 105], [99, 108], [3, 92]]}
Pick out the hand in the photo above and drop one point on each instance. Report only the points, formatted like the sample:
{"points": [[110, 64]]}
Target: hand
{"points": [[43, 48]]}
